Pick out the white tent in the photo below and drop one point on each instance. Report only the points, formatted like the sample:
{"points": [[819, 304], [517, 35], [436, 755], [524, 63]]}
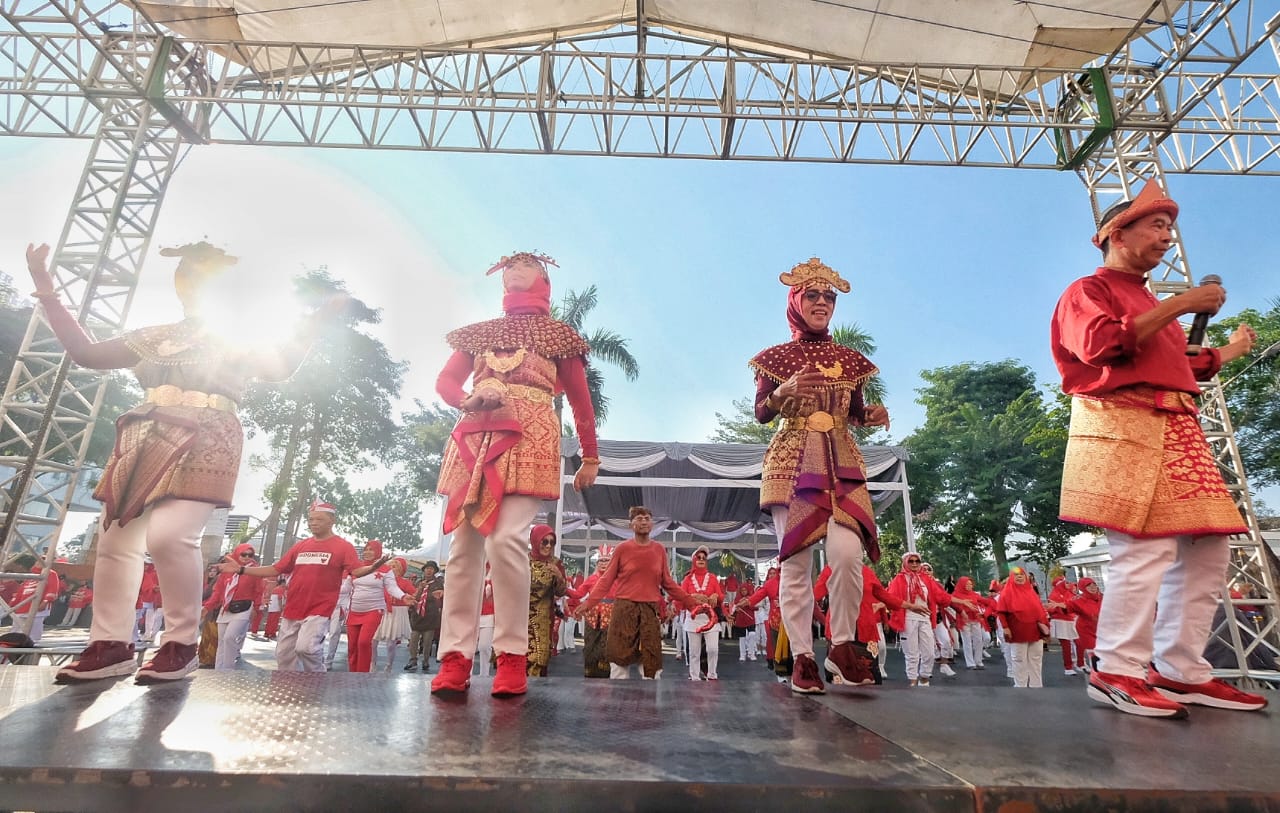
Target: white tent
{"points": [[700, 493]]}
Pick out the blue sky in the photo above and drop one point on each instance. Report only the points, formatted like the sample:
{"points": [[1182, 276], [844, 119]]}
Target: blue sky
{"points": [[947, 265]]}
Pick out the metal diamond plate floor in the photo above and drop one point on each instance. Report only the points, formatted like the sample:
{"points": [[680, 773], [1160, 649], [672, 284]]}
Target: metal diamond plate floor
{"points": [[257, 739]]}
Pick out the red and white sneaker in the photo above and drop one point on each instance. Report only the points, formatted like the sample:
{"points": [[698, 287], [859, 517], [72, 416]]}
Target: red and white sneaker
{"points": [[454, 674], [172, 661], [1216, 693], [805, 678], [100, 659], [1132, 696], [512, 675]]}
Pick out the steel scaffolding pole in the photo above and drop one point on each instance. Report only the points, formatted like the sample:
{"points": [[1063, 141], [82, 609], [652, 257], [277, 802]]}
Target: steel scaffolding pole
{"points": [[50, 405], [1116, 171]]}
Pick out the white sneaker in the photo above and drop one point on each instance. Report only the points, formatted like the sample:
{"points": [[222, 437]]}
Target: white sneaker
{"points": [[1069, 672], [883, 673], [946, 670]]}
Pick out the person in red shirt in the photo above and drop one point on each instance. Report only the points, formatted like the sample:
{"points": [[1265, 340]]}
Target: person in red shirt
{"points": [[636, 574], [1062, 624], [744, 622], [232, 598], [81, 598], [1138, 465], [972, 622], [316, 567], [275, 606], [702, 626], [1087, 605], [773, 622], [150, 616], [1026, 625], [29, 592], [920, 596]]}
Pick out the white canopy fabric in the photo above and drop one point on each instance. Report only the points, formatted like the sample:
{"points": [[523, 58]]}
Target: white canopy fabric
{"points": [[697, 492], [973, 32]]}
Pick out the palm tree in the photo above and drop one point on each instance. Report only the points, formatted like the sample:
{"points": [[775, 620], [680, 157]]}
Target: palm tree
{"points": [[855, 338], [605, 346]]}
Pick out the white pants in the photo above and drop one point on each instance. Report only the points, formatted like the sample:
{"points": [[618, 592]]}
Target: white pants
{"points": [[232, 628], [883, 654], [568, 631], [300, 644], [747, 646], [711, 639], [844, 588], [1028, 660], [1004, 650], [972, 637], [917, 646], [1176, 580], [337, 623], [170, 531], [946, 648], [484, 644], [507, 551]]}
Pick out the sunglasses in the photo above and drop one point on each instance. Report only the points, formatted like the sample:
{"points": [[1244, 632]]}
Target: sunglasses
{"points": [[913, 561], [826, 296], [246, 556]]}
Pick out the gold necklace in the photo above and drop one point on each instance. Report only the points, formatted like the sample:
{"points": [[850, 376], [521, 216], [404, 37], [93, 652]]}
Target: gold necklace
{"points": [[504, 364]]}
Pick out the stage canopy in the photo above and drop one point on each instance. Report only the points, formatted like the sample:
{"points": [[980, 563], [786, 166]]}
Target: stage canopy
{"points": [[973, 32], [700, 493]]}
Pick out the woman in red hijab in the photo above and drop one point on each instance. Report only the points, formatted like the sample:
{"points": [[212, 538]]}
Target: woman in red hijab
{"points": [[1086, 605], [973, 626], [546, 584], [232, 598], [1026, 624]]}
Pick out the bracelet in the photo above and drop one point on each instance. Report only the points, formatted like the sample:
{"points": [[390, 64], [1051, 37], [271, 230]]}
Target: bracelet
{"points": [[592, 460]]}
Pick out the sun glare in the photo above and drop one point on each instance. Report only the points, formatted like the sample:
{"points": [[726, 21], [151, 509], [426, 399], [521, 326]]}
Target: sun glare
{"points": [[249, 313]]}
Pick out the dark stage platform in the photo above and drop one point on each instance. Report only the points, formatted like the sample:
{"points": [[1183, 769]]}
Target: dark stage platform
{"points": [[257, 739]]}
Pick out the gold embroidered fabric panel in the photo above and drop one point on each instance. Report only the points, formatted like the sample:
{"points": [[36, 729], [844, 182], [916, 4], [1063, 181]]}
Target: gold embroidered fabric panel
{"points": [[1142, 466], [840, 365], [536, 333]]}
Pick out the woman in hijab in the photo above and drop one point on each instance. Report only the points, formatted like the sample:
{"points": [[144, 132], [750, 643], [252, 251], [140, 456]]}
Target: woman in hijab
{"points": [[1026, 625], [546, 584], [1086, 605]]}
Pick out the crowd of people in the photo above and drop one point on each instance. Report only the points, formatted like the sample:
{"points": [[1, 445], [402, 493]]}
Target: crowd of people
{"points": [[1137, 466]]}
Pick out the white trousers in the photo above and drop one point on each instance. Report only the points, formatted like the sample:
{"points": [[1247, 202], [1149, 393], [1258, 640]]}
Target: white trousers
{"points": [[568, 631], [300, 644], [170, 531], [1177, 581], [917, 646], [1004, 649], [337, 623], [844, 588], [747, 646], [484, 645], [946, 648], [507, 551], [972, 638], [1028, 663], [697, 640], [232, 629]]}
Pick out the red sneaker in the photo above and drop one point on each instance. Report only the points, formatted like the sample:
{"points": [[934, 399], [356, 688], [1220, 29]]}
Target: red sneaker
{"points": [[1132, 696], [173, 661], [100, 659], [454, 674], [805, 678], [512, 676], [848, 665], [1216, 693]]}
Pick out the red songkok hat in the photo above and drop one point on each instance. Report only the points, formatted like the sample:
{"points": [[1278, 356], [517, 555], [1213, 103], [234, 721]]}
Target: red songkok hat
{"points": [[1150, 200], [326, 507], [375, 546]]}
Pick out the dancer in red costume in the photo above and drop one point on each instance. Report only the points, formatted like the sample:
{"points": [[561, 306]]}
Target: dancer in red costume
{"points": [[814, 479], [1138, 465], [502, 460], [175, 460]]}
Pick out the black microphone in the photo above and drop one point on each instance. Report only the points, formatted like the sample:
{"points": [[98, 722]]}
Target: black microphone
{"points": [[1199, 324]]}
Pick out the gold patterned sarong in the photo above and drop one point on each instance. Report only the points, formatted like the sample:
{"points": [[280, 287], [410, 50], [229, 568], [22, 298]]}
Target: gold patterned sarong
{"points": [[1137, 462]]}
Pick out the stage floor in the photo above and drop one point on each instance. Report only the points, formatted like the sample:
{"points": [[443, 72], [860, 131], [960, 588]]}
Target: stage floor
{"points": [[259, 739]]}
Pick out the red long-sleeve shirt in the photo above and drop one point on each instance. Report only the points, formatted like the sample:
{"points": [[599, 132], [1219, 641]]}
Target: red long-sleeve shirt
{"points": [[636, 573]]}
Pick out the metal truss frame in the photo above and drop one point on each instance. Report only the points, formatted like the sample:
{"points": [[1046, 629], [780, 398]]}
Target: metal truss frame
{"points": [[1177, 99], [50, 405]]}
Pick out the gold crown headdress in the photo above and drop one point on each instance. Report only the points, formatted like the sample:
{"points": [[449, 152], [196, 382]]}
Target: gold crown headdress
{"points": [[201, 253], [813, 272], [530, 256]]}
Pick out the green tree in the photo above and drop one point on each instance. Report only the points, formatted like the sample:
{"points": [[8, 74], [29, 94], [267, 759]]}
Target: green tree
{"points": [[391, 514], [606, 346], [420, 444], [334, 412], [1253, 394], [741, 425], [983, 450]]}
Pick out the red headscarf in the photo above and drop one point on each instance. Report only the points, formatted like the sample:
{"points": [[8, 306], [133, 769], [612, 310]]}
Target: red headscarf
{"points": [[1085, 597], [917, 589], [1021, 600], [241, 549], [964, 590], [375, 546], [536, 535], [795, 318]]}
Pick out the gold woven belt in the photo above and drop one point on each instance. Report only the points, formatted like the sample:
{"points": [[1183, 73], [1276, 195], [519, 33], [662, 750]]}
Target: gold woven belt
{"points": [[521, 391], [817, 422], [171, 395]]}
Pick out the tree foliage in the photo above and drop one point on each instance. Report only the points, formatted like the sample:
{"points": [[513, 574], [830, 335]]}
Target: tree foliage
{"points": [[334, 414], [987, 462], [391, 514], [606, 346], [1252, 388], [420, 444]]}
